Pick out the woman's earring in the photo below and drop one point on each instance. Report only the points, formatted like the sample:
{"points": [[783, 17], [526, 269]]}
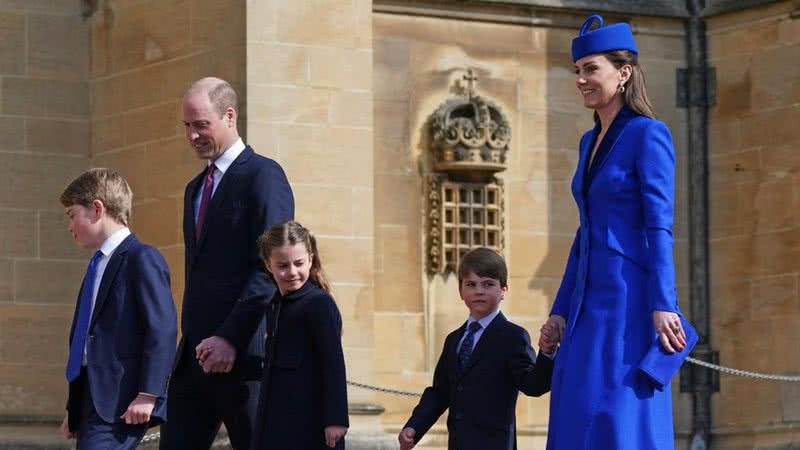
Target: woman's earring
{"points": [[621, 88]]}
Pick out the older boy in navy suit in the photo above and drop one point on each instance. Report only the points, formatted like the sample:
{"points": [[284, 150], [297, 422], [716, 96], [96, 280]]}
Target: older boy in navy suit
{"points": [[483, 366], [122, 341]]}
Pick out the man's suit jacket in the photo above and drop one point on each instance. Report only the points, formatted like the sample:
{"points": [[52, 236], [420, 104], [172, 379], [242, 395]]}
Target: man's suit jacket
{"points": [[482, 398], [227, 287], [130, 343]]}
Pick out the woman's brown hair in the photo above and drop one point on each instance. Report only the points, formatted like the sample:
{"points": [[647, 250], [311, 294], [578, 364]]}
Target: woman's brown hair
{"points": [[292, 233], [635, 95]]}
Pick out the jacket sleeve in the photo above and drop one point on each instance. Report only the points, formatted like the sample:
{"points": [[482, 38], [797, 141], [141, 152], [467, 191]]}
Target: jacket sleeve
{"points": [[326, 329], [655, 166], [532, 379], [159, 319], [564, 295], [435, 399], [272, 203]]}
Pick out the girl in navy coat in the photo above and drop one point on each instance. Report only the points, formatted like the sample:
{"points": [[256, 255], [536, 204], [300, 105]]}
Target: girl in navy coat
{"points": [[303, 400], [617, 297]]}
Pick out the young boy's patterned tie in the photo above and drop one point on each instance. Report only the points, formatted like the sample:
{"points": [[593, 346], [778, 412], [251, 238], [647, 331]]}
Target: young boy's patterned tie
{"points": [[466, 347]]}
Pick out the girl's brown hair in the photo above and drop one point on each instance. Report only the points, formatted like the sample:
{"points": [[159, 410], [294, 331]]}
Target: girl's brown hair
{"points": [[292, 233], [635, 95]]}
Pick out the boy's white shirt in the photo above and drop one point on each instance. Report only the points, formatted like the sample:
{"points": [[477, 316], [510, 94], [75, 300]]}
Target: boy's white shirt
{"points": [[107, 249], [477, 335], [485, 323]]}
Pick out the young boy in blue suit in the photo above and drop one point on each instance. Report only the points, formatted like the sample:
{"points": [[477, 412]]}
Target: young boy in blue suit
{"points": [[122, 340], [483, 366]]}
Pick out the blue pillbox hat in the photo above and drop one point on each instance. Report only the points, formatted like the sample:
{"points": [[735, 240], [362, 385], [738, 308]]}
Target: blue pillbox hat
{"points": [[602, 39]]}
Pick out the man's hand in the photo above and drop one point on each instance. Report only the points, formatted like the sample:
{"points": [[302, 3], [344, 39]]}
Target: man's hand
{"points": [[333, 433], [406, 438], [139, 410], [65, 429], [215, 354]]}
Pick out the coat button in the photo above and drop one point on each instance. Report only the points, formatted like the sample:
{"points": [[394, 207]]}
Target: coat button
{"points": [[460, 388]]}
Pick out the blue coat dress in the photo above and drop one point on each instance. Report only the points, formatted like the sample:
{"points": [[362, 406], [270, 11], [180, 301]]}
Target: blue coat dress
{"points": [[620, 270]]}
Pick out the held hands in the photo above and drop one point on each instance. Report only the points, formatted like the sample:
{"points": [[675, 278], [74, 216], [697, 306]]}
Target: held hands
{"points": [[139, 410], [215, 354], [406, 438], [669, 329], [550, 334], [333, 433], [64, 428]]}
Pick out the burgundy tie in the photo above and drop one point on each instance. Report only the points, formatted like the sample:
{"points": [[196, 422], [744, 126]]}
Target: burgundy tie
{"points": [[208, 189]]}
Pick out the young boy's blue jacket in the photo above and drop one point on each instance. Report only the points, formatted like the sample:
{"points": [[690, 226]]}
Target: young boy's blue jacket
{"points": [[482, 397], [130, 343]]}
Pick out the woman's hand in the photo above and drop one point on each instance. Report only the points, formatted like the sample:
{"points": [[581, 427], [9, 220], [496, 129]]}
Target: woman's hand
{"points": [[333, 433], [669, 329]]}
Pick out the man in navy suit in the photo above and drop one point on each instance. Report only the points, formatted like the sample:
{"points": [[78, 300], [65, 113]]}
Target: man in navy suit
{"points": [[227, 207], [122, 340], [484, 365]]}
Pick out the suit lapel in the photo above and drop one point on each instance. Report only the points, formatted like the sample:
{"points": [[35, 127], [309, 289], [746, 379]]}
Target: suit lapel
{"points": [[108, 276], [484, 343], [189, 225], [579, 184], [222, 191], [452, 352], [623, 118]]}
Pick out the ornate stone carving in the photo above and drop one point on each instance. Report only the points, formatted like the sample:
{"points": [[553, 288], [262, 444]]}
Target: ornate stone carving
{"points": [[470, 133], [435, 262], [470, 139]]}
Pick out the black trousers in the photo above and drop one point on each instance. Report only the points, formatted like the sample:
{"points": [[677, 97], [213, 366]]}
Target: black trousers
{"points": [[199, 403]]}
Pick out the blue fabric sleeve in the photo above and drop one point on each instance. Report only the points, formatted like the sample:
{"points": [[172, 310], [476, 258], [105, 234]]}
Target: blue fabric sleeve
{"points": [[159, 319], [655, 166], [435, 399], [565, 291]]}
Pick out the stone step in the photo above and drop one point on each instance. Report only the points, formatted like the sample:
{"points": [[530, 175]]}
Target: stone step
{"points": [[48, 437]]}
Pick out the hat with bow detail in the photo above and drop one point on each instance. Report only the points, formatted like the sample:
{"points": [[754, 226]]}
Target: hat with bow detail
{"points": [[602, 39]]}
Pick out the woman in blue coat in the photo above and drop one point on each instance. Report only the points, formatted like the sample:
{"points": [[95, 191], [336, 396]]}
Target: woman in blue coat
{"points": [[618, 295]]}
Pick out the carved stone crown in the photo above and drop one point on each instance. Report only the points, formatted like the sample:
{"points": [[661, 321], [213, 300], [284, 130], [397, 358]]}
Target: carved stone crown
{"points": [[470, 133]]}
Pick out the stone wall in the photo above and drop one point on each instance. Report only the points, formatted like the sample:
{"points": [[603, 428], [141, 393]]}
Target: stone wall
{"points": [[309, 106], [144, 56], [755, 227], [44, 143], [528, 72]]}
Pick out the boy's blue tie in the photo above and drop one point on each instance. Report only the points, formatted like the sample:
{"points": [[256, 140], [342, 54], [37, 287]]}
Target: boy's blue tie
{"points": [[466, 346], [82, 325]]}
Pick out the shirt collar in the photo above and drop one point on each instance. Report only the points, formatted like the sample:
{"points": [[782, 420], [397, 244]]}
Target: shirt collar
{"points": [[114, 240], [485, 321], [228, 156]]}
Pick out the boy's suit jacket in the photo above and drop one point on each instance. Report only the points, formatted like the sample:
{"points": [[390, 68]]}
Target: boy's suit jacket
{"points": [[482, 398], [227, 286], [130, 344]]}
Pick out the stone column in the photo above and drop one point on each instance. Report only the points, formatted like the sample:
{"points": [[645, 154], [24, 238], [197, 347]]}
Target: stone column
{"points": [[309, 106]]}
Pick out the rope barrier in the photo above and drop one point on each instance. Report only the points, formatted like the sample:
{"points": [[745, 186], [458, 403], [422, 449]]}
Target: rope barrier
{"points": [[743, 373], [384, 390]]}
